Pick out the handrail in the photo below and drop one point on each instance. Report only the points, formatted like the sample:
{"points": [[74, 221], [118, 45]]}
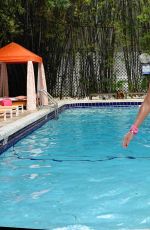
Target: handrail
{"points": [[51, 99]]}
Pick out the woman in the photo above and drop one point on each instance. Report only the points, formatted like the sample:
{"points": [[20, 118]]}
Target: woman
{"points": [[143, 112]]}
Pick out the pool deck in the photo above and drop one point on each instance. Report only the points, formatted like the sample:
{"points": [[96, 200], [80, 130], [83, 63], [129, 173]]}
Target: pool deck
{"points": [[12, 125]]}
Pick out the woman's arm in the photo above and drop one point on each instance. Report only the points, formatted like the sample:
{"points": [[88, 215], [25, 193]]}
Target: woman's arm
{"points": [[142, 114]]}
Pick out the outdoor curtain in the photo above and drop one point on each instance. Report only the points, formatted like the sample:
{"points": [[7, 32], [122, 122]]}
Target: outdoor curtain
{"points": [[4, 91], [31, 93], [41, 84]]}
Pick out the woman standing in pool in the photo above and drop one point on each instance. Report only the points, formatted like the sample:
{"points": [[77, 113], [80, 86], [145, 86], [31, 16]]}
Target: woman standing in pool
{"points": [[143, 112]]}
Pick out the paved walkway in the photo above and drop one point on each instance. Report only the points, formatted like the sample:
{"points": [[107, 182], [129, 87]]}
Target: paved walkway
{"points": [[14, 118], [12, 125]]}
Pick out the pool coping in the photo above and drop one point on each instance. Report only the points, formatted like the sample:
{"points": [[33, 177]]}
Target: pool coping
{"points": [[15, 131]]}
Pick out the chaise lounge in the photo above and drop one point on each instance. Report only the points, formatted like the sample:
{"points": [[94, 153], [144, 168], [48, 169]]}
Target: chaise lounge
{"points": [[15, 109], [5, 112]]}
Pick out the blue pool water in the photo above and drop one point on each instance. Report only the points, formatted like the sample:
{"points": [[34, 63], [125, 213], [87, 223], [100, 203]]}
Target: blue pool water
{"points": [[73, 174]]}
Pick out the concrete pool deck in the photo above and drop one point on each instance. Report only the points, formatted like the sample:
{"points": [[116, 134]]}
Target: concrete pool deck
{"points": [[12, 125]]}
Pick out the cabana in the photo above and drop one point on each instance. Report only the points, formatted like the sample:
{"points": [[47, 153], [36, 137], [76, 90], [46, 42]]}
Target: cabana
{"points": [[14, 53]]}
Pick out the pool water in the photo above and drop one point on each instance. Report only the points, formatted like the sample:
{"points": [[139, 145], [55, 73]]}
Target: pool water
{"points": [[73, 174]]}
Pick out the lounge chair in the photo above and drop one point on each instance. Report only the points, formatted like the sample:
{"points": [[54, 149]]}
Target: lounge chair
{"points": [[20, 101], [8, 103], [5, 112], [102, 95], [12, 108]]}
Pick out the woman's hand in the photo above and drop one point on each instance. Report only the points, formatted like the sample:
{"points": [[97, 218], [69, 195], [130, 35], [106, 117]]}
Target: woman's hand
{"points": [[127, 138]]}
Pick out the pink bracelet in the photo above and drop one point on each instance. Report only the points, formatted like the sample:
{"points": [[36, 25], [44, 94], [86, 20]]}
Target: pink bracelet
{"points": [[134, 129]]}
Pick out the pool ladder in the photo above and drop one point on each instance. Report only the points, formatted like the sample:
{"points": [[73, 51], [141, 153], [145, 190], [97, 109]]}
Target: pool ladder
{"points": [[51, 101]]}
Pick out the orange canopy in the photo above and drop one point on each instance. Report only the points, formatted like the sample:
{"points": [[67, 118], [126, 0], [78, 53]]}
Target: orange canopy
{"points": [[14, 53]]}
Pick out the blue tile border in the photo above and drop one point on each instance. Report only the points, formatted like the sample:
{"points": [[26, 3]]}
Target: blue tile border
{"points": [[102, 104], [14, 138]]}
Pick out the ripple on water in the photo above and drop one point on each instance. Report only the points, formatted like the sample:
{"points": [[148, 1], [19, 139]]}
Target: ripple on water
{"points": [[37, 195], [74, 227]]}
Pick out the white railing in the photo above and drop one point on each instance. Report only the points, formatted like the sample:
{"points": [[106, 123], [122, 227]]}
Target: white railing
{"points": [[51, 101]]}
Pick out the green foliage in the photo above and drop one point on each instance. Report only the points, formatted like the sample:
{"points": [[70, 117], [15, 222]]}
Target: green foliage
{"points": [[58, 3], [56, 28], [9, 19], [118, 85], [145, 82], [145, 42], [144, 19]]}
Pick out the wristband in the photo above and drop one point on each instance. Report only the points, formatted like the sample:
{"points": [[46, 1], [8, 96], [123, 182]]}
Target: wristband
{"points": [[134, 129]]}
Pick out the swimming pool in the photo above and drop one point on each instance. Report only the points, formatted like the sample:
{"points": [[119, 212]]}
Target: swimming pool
{"points": [[73, 174]]}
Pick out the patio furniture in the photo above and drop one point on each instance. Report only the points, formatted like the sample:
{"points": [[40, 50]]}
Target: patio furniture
{"points": [[102, 95], [5, 112], [14, 109], [132, 95], [20, 103]]}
